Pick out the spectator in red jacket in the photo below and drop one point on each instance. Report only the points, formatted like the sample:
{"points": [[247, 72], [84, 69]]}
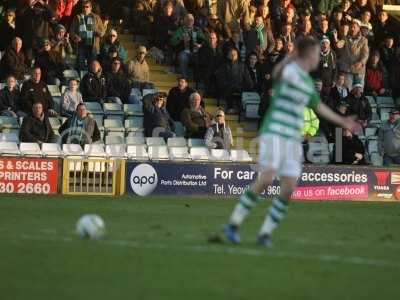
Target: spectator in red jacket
{"points": [[375, 78]]}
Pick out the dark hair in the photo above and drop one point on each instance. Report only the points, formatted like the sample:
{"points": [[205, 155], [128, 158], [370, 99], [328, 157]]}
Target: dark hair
{"points": [[80, 104], [304, 45]]}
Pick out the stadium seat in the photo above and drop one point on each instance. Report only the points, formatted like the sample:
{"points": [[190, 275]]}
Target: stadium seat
{"points": [[200, 153], [113, 125], [135, 140], [136, 92], [177, 142], [55, 123], [135, 110], [372, 146], [9, 149], [155, 141], [179, 129], [8, 123], [196, 143], [72, 150], [370, 131], [30, 149], [250, 98], [148, 91], [112, 109], [94, 150], [63, 88], [135, 133], [116, 151], [372, 102], [51, 150], [220, 155], [9, 137], [57, 103], [158, 152], [134, 124], [70, 74], [114, 139], [318, 153], [240, 156], [179, 153], [376, 159], [94, 108], [54, 90], [137, 152], [100, 121], [387, 102], [82, 73]]}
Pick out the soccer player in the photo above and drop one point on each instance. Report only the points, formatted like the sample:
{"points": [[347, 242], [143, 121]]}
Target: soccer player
{"points": [[280, 138]]}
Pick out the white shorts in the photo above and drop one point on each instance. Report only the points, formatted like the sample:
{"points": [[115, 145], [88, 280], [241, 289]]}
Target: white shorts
{"points": [[285, 156]]}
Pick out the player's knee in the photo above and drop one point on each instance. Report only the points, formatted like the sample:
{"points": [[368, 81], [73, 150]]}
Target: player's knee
{"points": [[266, 177]]}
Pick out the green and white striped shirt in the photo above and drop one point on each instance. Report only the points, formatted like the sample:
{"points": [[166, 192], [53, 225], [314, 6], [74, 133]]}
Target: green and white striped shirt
{"points": [[291, 94]]}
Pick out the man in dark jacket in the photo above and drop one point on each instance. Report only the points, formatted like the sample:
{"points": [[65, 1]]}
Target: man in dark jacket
{"points": [[359, 105], [13, 61], [178, 98], [34, 90], [117, 83], [327, 70], [7, 29], [36, 127], [93, 85], [160, 123], [10, 99], [80, 128]]}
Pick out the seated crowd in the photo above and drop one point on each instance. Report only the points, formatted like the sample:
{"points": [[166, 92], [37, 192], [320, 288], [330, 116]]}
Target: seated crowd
{"points": [[225, 47]]}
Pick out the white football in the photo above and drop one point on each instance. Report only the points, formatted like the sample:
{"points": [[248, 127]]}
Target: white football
{"points": [[90, 226]]}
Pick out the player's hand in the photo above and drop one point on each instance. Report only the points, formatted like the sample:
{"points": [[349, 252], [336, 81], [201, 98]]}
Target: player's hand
{"points": [[350, 124]]}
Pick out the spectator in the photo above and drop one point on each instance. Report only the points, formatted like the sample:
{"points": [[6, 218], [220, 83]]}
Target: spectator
{"points": [[118, 87], [71, 98], [305, 29], [355, 56], [271, 60], [383, 27], [13, 61], [287, 35], [366, 26], [387, 52], [310, 128], [62, 8], [327, 66], [93, 85], [219, 135], [141, 18], [108, 60], [255, 72], [164, 26], [259, 38], [7, 29], [235, 42], [322, 32], [395, 74], [376, 76], [112, 40], [139, 71], [339, 91], [187, 40], [36, 126], [336, 19], [232, 14], [352, 150], [62, 44], [359, 105], [195, 118], [388, 139], [232, 78], [51, 64], [80, 128], [178, 98], [215, 25], [86, 31], [36, 90], [357, 8], [161, 124], [33, 24], [210, 57], [10, 99]]}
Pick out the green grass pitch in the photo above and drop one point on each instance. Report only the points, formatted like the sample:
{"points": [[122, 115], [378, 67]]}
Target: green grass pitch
{"points": [[156, 248]]}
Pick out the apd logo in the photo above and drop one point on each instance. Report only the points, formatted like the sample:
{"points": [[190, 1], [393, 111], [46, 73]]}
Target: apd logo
{"points": [[143, 179]]}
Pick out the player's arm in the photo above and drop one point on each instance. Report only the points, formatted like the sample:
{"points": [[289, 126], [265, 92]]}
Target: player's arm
{"points": [[324, 111]]}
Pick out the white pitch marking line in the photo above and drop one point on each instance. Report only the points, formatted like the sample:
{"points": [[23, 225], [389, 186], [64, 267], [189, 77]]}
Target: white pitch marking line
{"points": [[328, 258]]}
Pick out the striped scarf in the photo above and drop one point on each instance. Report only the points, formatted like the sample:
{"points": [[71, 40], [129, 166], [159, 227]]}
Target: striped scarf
{"points": [[86, 25], [260, 34], [77, 128]]}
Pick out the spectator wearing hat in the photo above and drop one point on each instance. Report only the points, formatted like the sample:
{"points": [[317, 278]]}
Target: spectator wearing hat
{"points": [[160, 123], [51, 64], [94, 85], [112, 40], [7, 29], [86, 31], [178, 98], [10, 99], [139, 71], [118, 87], [13, 61], [388, 139], [327, 66], [351, 152], [36, 90], [80, 128], [354, 56], [187, 40], [219, 135], [62, 44], [359, 105], [35, 127], [71, 98], [376, 76], [195, 118]]}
